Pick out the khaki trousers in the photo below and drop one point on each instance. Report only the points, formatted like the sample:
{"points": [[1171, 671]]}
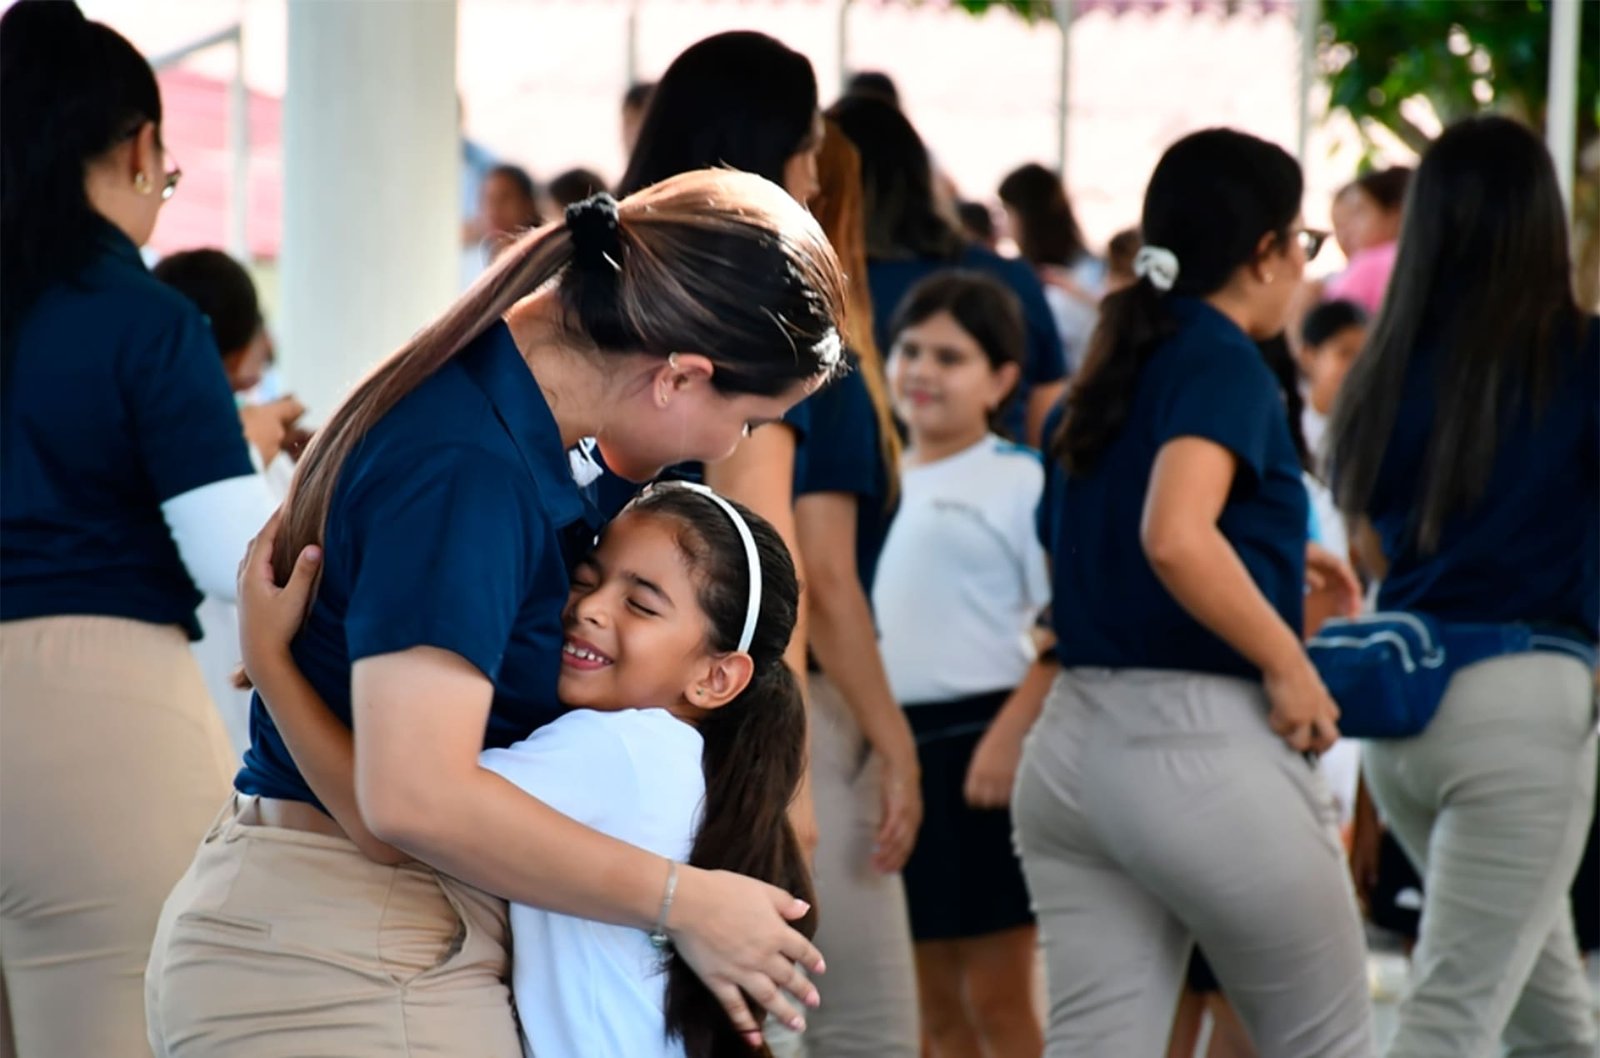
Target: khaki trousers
{"points": [[284, 944], [1492, 804], [112, 761], [1156, 809], [869, 994]]}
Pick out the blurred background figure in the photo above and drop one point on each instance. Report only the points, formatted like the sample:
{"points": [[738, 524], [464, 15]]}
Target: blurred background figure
{"points": [[911, 236], [571, 186], [507, 207], [1040, 217], [224, 292], [977, 224], [873, 84], [1331, 337], [1368, 217], [635, 101], [1120, 252]]}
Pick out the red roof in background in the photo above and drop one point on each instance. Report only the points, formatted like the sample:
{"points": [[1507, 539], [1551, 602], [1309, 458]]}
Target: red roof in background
{"points": [[195, 126]]}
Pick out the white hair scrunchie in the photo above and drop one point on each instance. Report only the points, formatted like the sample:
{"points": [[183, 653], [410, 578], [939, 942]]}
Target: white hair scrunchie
{"points": [[1157, 264]]}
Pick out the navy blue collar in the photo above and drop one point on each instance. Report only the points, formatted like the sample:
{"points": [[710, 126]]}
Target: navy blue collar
{"points": [[115, 244], [496, 365], [1192, 311]]}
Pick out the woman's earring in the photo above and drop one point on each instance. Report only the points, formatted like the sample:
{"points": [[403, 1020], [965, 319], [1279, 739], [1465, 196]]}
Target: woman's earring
{"points": [[142, 184], [672, 361]]}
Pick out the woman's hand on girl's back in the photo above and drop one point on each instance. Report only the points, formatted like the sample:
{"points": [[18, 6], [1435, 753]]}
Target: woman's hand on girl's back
{"points": [[269, 616], [734, 933]]}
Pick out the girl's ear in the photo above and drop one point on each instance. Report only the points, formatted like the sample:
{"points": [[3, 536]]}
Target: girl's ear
{"points": [[724, 678], [1003, 384]]}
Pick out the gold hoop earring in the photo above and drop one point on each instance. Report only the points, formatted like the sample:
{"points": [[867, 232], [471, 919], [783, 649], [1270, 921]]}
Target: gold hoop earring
{"points": [[142, 184]]}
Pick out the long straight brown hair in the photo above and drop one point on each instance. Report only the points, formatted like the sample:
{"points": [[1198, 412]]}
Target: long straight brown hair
{"points": [[717, 262], [839, 209]]}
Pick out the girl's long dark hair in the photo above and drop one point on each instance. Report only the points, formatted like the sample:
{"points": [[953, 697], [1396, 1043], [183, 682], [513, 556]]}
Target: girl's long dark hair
{"points": [[1049, 228], [755, 745], [70, 90], [904, 220], [741, 100], [1212, 197], [1483, 280]]}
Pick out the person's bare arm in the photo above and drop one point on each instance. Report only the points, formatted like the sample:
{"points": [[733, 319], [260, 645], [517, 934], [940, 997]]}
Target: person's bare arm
{"points": [[1042, 400], [993, 770], [1189, 486], [845, 643]]}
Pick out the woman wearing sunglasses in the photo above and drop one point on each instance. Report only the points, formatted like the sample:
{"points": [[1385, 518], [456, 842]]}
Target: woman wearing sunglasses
{"points": [[127, 491], [1169, 793]]}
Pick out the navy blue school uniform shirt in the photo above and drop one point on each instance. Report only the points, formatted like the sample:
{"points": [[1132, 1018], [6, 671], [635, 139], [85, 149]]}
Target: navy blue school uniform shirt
{"points": [[452, 526], [1110, 611], [843, 454], [115, 402], [1044, 361], [1527, 550]]}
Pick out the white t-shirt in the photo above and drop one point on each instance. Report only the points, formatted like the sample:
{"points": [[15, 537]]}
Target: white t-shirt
{"points": [[587, 988], [963, 577]]}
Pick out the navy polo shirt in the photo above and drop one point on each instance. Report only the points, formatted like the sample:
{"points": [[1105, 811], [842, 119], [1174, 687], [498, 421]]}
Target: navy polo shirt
{"points": [[1043, 362], [115, 402], [1110, 611], [1527, 550], [452, 526], [610, 492], [844, 455]]}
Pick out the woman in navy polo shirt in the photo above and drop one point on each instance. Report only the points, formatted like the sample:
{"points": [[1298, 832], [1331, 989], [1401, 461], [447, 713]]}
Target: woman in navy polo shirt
{"points": [[1467, 438], [864, 768], [441, 496], [909, 239], [127, 490], [1167, 794]]}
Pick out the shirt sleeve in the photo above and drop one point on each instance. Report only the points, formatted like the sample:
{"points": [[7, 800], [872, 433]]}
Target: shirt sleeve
{"points": [[1025, 540], [845, 455], [579, 765], [186, 425], [1224, 395], [443, 555]]}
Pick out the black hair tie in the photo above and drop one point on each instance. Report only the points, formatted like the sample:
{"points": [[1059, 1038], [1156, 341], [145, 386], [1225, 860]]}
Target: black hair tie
{"points": [[596, 234]]}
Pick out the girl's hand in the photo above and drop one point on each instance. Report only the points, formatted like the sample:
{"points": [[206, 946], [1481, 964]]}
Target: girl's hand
{"points": [[1303, 713], [1329, 574], [734, 933], [270, 616], [901, 794], [994, 768]]}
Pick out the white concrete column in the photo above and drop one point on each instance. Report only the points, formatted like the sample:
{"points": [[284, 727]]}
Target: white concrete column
{"points": [[1561, 111], [371, 191]]}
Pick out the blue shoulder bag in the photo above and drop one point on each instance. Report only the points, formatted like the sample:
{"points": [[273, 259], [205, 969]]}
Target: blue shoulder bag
{"points": [[1389, 671]]}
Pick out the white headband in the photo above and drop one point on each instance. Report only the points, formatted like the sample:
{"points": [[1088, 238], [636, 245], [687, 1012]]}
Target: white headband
{"points": [[751, 555], [1157, 264]]}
